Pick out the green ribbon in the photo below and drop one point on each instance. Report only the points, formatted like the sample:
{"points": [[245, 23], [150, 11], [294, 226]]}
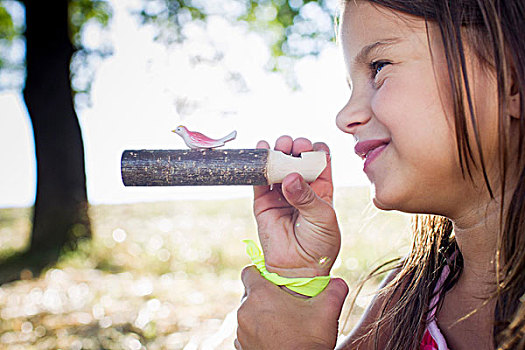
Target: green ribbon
{"points": [[309, 286]]}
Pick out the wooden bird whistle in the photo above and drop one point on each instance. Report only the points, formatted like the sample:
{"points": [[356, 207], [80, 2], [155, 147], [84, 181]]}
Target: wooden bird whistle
{"points": [[216, 167]]}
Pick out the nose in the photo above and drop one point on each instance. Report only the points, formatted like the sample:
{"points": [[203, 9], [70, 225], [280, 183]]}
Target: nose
{"points": [[355, 113]]}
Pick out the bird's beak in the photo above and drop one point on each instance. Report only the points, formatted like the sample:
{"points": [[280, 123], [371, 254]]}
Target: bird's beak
{"points": [[173, 131]]}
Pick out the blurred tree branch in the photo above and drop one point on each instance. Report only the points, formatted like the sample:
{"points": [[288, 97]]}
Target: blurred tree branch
{"points": [[42, 53]]}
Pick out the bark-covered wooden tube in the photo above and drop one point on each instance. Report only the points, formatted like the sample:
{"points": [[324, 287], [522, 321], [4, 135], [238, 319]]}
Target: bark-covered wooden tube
{"points": [[194, 167], [216, 167]]}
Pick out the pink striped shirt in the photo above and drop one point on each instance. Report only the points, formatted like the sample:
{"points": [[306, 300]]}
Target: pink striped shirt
{"points": [[432, 338]]}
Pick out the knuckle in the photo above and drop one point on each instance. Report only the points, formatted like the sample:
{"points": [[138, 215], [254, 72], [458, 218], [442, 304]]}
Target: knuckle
{"points": [[285, 137], [319, 145], [241, 320], [239, 341], [243, 317], [330, 214], [333, 299], [341, 284], [244, 273], [304, 140], [257, 295], [307, 198]]}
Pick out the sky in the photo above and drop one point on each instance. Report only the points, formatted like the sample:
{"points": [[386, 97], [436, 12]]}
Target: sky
{"points": [[145, 89]]}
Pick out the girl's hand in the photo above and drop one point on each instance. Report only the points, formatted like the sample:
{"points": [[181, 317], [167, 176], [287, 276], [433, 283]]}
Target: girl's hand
{"points": [[270, 318], [297, 225]]}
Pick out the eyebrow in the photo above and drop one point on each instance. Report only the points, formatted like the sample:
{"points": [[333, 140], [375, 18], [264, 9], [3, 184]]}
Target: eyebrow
{"points": [[363, 55]]}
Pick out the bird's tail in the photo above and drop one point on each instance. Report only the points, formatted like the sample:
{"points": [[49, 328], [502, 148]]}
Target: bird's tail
{"points": [[229, 137]]}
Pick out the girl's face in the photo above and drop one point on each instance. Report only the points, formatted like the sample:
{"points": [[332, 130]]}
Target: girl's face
{"points": [[400, 112]]}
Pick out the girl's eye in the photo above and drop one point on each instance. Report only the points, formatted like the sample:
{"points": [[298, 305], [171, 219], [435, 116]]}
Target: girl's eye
{"points": [[377, 66]]}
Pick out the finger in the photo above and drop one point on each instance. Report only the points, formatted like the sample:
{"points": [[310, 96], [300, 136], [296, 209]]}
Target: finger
{"points": [[258, 191], [327, 172], [321, 146], [323, 185], [301, 145], [256, 286], [262, 144], [302, 196], [334, 295], [284, 144], [237, 344], [251, 278]]}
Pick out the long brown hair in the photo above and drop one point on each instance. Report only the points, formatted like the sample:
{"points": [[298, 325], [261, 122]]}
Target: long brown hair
{"points": [[494, 30]]}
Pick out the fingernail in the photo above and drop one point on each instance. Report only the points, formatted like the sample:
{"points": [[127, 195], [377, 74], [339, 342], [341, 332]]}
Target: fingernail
{"points": [[295, 186], [328, 155]]}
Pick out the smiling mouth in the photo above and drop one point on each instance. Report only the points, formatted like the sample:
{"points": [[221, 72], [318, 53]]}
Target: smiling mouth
{"points": [[369, 150], [365, 149]]}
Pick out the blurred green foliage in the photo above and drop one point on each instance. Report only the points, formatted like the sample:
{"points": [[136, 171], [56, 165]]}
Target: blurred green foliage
{"points": [[7, 27], [300, 25], [12, 47], [11, 43], [83, 11], [292, 28]]}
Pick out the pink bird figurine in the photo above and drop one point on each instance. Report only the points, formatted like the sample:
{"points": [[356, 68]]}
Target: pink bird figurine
{"points": [[196, 140]]}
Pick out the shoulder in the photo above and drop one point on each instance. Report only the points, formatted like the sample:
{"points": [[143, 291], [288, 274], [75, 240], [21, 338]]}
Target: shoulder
{"points": [[357, 339]]}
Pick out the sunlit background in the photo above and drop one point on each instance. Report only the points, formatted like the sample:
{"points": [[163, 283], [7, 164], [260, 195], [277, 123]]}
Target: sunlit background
{"points": [[164, 274], [216, 81]]}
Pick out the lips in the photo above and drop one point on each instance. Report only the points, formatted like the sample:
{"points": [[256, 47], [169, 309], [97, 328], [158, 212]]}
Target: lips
{"points": [[365, 147], [370, 149]]}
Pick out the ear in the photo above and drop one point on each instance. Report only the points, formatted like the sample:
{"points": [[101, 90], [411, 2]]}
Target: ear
{"points": [[514, 107], [514, 100]]}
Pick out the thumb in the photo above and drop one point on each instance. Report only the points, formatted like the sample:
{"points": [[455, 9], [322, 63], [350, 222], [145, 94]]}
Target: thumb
{"points": [[253, 280], [251, 277], [334, 295], [299, 194]]}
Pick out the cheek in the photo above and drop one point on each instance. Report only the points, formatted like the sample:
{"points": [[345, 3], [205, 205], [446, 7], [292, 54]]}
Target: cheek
{"points": [[410, 105], [423, 158], [387, 104]]}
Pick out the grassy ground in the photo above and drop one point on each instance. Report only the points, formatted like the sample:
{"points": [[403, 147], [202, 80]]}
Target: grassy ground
{"points": [[166, 275]]}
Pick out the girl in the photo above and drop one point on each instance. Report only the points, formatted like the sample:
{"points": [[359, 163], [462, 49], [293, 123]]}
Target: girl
{"points": [[436, 110]]}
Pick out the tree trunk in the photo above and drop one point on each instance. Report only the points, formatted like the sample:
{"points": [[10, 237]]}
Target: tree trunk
{"points": [[60, 216]]}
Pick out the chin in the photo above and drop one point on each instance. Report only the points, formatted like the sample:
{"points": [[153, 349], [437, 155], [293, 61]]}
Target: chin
{"points": [[379, 200], [402, 202], [388, 200], [381, 205]]}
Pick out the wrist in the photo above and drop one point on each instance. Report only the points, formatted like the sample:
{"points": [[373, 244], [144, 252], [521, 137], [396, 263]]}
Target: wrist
{"points": [[295, 294], [310, 286], [307, 272], [308, 343]]}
